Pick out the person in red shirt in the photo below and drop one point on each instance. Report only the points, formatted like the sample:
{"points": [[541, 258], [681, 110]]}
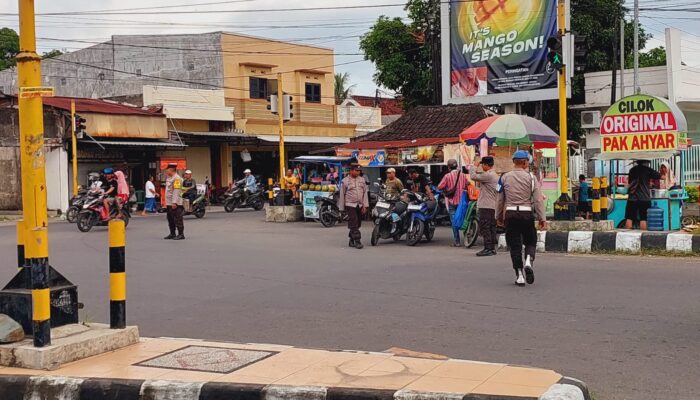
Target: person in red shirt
{"points": [[453, 185]]}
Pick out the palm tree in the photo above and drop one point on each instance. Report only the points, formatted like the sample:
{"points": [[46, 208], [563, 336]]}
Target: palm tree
{"points": [[342, 90]]}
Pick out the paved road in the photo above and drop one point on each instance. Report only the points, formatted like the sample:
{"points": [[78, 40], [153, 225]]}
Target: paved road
{"points": [[629, 326]]}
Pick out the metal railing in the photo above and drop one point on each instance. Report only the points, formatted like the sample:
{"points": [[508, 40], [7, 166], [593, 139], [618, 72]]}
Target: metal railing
{"points": [[692, 164]]}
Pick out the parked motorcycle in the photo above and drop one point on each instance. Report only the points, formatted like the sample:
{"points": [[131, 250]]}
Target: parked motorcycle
{"points": [[94, 213], [328, 212], [389, 220], [198, 207], [471, 225], [421, 216], [236, 198]]}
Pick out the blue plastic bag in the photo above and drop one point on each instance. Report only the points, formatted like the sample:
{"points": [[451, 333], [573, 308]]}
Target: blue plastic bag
{"points": [[461, 211]]}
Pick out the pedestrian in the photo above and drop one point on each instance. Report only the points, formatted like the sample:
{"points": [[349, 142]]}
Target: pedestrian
{"points": [[150, 203], [483, 173], [584, 207], [520, 202], [639, 193], [453, 185], [173, 202], [354, 200]]}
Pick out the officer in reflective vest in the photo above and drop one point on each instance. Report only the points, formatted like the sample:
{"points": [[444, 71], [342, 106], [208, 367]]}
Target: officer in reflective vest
{"points": [[173, 203], [520, 202]]}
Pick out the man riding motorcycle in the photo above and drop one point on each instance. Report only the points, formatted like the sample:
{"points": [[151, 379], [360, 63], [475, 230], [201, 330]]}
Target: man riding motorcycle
{"points": [[189, 188], [110, 188], [251, 185]]}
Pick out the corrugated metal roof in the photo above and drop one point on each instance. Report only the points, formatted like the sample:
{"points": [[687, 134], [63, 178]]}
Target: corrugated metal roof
{"points": [[128, 143], [98, 106], [305, 139], [214, 134]]}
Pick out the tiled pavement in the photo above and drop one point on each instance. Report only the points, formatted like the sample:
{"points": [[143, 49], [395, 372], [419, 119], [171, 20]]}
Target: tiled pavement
{"points": [[264, 364]]}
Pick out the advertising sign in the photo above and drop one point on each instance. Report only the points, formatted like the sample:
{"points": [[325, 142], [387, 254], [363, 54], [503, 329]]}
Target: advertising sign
{"points": [[423, 155], [641, 123], [499, 47], [310, 208], [370, 158]]}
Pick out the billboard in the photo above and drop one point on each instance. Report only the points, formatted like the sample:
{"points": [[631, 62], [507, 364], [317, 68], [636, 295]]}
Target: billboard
{"points": [[641, 123], [495, 51]]}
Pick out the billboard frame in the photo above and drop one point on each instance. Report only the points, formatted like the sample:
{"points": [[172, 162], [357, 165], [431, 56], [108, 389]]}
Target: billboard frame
{"points": [[499, 98]]}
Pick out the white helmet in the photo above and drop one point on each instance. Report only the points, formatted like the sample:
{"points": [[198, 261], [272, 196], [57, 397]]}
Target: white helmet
{"points": [[247, 171], [189, 171]]}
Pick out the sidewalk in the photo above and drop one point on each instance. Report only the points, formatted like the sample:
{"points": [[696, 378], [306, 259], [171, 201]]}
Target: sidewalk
{"points": [[176, 369]]}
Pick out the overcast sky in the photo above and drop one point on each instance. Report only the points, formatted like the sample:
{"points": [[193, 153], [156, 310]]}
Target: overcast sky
{"points": [[339, 29]]}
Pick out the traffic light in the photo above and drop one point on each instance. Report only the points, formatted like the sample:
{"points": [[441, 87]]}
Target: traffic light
{"points": [[272, 103], [580, 52], [79, 125], [288, 106], [554, 56]]}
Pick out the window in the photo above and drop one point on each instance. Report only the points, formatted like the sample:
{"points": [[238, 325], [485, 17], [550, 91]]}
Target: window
{"points": [[63, 81], [190, 66], [261, 88], [138, 71], [313, 92]]}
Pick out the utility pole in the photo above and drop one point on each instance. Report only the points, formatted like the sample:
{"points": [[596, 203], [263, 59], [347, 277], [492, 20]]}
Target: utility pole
{"points": [[31, 142], [563, 133], [622, 57], [280, 114], [74, 147], [636, 47]]}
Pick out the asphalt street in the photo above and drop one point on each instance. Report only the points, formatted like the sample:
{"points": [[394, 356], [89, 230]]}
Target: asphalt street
{"points": [[628, 326]]}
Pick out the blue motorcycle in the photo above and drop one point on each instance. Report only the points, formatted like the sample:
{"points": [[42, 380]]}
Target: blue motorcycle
{"points": [[422, 213]]}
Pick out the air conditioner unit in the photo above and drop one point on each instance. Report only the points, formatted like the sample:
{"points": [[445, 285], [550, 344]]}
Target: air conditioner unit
{"points": [[590, 119]]}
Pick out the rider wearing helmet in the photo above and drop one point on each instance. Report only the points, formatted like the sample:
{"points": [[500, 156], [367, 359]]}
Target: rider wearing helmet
{"points": [[189, 188], [110, 187], [248, 180]]}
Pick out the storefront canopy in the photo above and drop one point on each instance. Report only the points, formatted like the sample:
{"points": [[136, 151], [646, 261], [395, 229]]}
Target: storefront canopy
{"points": [[305, 139]]}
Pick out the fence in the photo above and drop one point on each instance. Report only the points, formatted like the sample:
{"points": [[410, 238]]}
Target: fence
{"points": [[691, 164]]}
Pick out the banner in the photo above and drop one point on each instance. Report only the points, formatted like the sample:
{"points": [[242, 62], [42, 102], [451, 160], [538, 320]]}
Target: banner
{"points": [[423, 155], [500, 46], [370, 158], [641, 123]]}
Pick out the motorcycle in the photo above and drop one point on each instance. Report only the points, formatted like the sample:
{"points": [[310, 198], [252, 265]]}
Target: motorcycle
{"points": [[471, 225], [94, 213], [421, 216], [198, 207], [76, 204], [236, 198], [389, 220], [328, 212]]}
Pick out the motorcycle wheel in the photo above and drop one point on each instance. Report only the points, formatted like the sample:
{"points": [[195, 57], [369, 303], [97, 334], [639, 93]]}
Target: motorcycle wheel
{"points": [[72, 214], [430, 233], [257, 204], [472, 233], [229, 206], [375, 236], [85, 221], [327, 218], [414, 234], [199, 212]]}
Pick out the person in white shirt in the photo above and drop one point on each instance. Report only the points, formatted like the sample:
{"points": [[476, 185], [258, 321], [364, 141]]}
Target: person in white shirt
{"points": [[150, 204]]}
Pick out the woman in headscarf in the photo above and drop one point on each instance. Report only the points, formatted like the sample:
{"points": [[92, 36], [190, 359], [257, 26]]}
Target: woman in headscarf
{"points": [[122, 192], [668, 180]]}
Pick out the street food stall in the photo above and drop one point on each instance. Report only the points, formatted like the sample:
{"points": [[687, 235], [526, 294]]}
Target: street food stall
{"points": [[642, 127], [314, 180]]}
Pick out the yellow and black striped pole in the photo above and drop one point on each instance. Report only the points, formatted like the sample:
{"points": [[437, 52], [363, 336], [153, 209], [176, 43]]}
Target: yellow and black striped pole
{"points": [[20, 244], [595, 203], [41, 294], [604, 198], [269, 191], [117, 274]]}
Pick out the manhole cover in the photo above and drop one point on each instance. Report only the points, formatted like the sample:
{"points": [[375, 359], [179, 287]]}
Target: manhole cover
{"points": [[221, 360]]}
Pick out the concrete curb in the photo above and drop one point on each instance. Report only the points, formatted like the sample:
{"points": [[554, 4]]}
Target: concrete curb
{"points": [[17, 387], [605, 242]]}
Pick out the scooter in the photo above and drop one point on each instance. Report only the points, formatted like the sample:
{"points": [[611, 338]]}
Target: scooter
{"points": [[421, 213], [236, 198], [76, 204], [389, 220], [470, 227], [94, 213], [328, 212]]}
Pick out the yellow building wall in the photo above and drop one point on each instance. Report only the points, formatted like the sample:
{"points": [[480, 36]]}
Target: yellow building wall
{"points": [[198, 160], [246, 57], [264, 127], [189, 125]]}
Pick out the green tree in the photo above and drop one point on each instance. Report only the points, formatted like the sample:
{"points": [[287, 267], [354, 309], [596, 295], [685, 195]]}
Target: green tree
{"points": [[9, 47], [404, 53], [342, 86], [51, 54], [655, 57]]}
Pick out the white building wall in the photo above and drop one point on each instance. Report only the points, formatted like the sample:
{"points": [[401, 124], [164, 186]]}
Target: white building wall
{"points": [[367, 119]]}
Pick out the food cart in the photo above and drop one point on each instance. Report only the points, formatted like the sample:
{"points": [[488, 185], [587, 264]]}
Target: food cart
{"points": [[641, 127], [312, 186]]}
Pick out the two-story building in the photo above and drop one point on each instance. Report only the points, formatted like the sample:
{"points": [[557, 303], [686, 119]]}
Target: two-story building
{"points": [[244, 67]]}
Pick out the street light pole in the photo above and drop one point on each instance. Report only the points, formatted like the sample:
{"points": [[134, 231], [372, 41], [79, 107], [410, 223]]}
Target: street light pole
{"points": [[31, 143], [563, 134], [280, 114], [636, 47], [74, 148]]}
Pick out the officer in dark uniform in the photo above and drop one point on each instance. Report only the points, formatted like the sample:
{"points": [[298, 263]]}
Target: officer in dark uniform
{"points": [[520, 202]]}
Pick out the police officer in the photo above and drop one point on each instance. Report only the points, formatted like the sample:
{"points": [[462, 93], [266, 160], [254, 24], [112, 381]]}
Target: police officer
{"points": [[520, 201], [483, 173], [173, 203]]}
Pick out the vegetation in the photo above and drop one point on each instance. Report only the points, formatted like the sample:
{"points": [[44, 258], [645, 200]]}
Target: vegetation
{"points": [[9, 47], [343, 89]]}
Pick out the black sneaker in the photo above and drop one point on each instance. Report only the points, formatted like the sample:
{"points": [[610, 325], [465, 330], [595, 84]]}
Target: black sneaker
{"points": [[529, 272], [484, 253], [351, 243], [171, 236], [358, 245], [179, 237]]}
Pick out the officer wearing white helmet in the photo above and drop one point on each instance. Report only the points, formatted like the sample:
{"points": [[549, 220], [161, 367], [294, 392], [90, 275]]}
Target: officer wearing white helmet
{"points": [[520, 202]]}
